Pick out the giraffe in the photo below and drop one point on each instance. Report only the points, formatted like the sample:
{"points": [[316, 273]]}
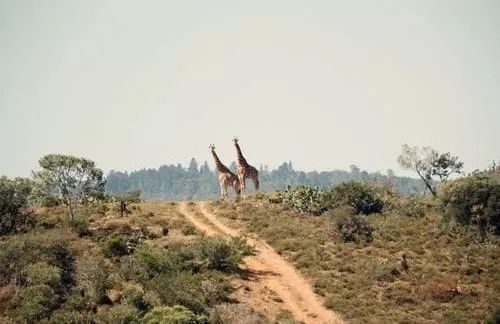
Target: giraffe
{"points": [[226, 177], [245, 170]]}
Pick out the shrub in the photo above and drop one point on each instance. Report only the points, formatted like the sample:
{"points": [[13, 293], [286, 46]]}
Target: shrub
{"points": [[176, 315], [81, 227], [41, 273], [134, 295], [474, 200], [71, 317], [235, 313], [94, 279], [224, 255], [189, 230], [123, 314], [304, 199], [364, 198], [14, 213], [115, 245], [37, 302], [352, 228]]}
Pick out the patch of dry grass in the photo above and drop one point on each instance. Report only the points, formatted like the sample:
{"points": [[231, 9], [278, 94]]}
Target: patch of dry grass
{"points": [[450, 277]]}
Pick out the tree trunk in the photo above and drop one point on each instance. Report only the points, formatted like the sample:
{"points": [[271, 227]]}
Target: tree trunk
{"points": [[71, 212]]}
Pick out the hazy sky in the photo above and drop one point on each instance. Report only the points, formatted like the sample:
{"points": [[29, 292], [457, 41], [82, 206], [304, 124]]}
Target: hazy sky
{"points": [[325, 84]]}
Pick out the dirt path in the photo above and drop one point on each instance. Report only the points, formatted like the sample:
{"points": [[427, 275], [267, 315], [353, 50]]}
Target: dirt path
{"points": [[275, 274]]}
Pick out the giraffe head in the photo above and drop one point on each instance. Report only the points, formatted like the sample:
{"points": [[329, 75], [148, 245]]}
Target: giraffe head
{"points": [[211, 147], [235, 140]]}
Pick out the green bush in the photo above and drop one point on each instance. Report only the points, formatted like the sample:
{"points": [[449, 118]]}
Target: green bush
{"points": [[304, 199], [173, 315], [363, 197], [123, 314], [72, 317], [49, 201], [224, 255], [81, 227], [37, 302], [14, 213], [351, 227], [134, 296], [473, 200], [94, 278], [196, 291], [115, 245], [41, 273], [20, 251]]}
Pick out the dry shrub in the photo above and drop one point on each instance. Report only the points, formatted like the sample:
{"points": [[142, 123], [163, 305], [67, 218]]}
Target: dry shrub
{"points": [[444, 291], [235, 313]]}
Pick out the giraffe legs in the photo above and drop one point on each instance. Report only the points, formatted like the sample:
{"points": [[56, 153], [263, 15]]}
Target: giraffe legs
{"points": [[242, 185], [256, 183], [223, 190]]}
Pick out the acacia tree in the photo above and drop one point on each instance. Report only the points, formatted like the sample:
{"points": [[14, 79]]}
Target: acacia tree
{"points": [[72, 177], [429, 163]]}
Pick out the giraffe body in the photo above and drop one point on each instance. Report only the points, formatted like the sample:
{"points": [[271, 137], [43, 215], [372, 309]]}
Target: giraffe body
{"points": [[245, 170], [226, 177]]}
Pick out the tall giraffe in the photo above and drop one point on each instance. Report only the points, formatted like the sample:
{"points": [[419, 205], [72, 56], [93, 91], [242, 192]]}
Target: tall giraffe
{"points": [[226, 177], [245, 170]]}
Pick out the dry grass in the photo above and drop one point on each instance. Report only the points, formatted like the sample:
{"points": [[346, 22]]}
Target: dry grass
{"points": [[450, 278]]}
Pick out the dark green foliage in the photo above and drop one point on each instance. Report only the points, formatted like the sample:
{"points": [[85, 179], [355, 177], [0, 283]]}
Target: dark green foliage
{"points": [[116, 245], [14, 213], [474, 200], [364, 198], [352, 227], [176, 315], [81, 227], [494, 318]]}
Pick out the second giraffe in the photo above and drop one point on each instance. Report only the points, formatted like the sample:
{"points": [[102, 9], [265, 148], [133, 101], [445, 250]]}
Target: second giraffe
{"points": [[245, 170]]}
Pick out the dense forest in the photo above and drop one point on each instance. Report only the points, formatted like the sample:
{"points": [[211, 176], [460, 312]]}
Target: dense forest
{"points": [[198, 182]]}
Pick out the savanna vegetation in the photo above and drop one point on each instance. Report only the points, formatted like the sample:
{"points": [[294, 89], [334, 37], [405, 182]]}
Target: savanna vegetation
{"points": [[377, 256], [71, 252]]}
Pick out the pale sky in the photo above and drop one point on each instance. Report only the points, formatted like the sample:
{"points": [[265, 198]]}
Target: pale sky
{"points": [[325, 84]]}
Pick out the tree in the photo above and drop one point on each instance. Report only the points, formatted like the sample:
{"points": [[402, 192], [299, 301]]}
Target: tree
{"points": [[72, 177], [428, 163], [14, 196]]}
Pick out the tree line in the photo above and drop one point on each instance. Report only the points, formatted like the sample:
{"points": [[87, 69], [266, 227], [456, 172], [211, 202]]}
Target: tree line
{"points": [[199, 181]]}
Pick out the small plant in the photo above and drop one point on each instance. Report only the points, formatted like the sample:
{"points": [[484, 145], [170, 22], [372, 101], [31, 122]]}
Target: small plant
{"points": [[115, 245], [189, 230], [81, 227], [352, 228]]}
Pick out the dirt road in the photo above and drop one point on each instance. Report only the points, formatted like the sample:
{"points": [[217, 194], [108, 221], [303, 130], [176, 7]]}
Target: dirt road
{"points": [[275, 273]]}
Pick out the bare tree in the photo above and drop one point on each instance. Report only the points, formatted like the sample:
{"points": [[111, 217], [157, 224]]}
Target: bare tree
{"points": [[428, 163]]}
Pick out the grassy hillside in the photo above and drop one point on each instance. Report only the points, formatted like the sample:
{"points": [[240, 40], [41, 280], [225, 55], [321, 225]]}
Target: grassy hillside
{"points": [[450, 277]]}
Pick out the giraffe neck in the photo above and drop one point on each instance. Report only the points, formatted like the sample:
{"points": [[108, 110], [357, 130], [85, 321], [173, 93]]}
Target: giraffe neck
{"points": [[241, 158], [218, 164]]}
